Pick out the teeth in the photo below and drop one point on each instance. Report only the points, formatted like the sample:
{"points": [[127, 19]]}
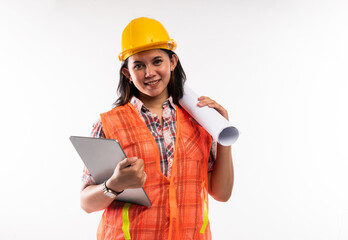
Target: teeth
{"points": [[153, 83]]}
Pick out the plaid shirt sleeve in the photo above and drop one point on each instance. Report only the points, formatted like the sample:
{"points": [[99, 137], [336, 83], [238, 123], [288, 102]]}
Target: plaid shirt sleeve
{"points": [[212, 156], [97, 132]]}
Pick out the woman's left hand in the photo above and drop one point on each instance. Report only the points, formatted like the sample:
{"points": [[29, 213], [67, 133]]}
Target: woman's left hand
{"points": [[206, 101]]}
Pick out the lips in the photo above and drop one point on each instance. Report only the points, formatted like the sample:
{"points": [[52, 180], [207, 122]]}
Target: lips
{"points": [[151, 83]]}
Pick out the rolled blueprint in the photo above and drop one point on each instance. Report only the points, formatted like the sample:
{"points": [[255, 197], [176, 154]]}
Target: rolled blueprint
{"points": [[210, 119]]}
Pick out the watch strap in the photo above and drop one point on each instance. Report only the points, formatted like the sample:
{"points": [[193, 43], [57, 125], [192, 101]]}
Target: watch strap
{"points": [[108, 190]]}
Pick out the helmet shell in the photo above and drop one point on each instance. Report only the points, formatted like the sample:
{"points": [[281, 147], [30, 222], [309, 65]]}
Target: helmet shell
{"points": [[143, 34]]}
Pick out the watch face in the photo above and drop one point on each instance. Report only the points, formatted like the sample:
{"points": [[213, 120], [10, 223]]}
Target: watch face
{"points": [[110, 194]]}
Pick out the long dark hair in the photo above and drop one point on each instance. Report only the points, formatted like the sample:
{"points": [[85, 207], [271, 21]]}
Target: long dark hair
{"points": [[127, 90]]}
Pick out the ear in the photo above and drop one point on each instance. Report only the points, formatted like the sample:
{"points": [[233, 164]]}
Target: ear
{"points": [[125, 72], [173, 62]]}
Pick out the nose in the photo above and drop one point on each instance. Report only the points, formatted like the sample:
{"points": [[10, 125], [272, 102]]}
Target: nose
{"points": [[149, 72]]}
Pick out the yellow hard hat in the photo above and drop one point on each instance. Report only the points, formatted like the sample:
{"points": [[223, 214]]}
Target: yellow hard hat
{"points": [[144, 34]]}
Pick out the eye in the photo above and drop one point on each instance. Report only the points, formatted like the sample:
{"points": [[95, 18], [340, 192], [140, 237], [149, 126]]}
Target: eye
{"points": [[157, 62], [138, 66]]}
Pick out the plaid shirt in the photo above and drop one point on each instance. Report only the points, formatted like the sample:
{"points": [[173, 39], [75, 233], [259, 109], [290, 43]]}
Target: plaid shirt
{"points": [[164, 136]]}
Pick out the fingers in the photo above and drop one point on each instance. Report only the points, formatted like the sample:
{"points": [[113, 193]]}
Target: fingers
{"points": [[134, 166], [128, 162], [206, 101], [129, 173], [144, 178], [139, 173], [139, 168]]}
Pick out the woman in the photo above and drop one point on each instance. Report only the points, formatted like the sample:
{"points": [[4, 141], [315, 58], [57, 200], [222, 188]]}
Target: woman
{"points": [[169, 154]]}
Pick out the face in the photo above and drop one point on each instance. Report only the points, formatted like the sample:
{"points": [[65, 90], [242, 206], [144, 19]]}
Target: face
{"points": [[150, 72]]}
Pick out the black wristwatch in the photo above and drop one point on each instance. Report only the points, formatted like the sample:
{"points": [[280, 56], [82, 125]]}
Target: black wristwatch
{"points": [[109, 192]]}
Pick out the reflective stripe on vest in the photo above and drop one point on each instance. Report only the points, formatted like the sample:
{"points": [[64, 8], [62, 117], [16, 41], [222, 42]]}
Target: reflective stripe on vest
{"points": [[179, 203], [125, 226], [206, 220]]}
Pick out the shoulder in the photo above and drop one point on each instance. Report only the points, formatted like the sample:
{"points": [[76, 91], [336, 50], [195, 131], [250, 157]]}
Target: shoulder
{"points": [[188, 121], [118, 118], [183, 113], [116, 110]]}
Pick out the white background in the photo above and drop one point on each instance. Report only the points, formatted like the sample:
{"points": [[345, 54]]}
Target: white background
{"points": [[278, 67]]}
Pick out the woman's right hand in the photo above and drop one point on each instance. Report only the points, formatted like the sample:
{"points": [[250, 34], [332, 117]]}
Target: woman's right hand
{"points": [[129, 173]]}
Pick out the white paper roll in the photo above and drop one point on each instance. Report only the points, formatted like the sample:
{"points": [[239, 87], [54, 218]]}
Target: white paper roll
{"points": [[211, 120]]}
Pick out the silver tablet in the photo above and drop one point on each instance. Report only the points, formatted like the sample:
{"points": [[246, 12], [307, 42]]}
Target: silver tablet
{"points": [[101, 157]]}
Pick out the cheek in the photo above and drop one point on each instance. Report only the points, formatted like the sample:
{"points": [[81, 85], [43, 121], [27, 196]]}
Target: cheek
{"points": [[165, 72], [136, 76]]}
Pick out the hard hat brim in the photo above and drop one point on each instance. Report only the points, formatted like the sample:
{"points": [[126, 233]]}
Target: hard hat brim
{"points": [[169, 45]]}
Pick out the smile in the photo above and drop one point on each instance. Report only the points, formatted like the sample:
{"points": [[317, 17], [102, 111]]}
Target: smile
{"points": [[152, 83]]}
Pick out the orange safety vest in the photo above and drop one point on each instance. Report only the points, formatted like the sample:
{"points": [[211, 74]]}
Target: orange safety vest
{"points": [[180, 204]]}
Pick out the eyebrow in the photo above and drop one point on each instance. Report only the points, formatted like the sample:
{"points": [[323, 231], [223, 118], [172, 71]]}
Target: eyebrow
{"points": [[158, 57], [155, 58]]}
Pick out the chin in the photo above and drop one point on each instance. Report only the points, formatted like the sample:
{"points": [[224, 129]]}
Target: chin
{"points": [[154, 93]]}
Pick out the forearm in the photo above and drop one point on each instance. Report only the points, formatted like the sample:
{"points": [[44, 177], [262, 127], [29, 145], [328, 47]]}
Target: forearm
{"points": [[222, 177], [93, 198], [129, 173]]}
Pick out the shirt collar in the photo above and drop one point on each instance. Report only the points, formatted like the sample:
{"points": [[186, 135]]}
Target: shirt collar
{"points": [[170, 102], [140, 107]]}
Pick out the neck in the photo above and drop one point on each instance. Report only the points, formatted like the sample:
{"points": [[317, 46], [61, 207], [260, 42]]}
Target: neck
{"points": [[154, 102]]}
